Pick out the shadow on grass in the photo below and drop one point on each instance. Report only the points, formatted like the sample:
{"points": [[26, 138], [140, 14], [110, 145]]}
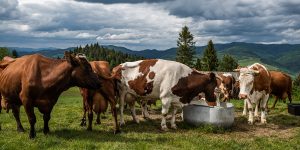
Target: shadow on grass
{"points": [[96, 136]]}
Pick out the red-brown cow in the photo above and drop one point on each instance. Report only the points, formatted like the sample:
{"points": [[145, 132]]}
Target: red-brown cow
{"points": [[3, 64], [281, 86], [97, 100], [37, 81]]}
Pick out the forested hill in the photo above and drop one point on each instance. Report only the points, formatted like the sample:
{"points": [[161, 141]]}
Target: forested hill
{"points": [[276, 56]]}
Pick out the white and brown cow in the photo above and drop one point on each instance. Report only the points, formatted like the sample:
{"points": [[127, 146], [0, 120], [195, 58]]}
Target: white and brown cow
{"points": [[255, 81], [227, 86], [172, 82]]}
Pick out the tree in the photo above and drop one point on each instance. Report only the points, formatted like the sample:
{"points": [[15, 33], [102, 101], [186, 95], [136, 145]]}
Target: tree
{"points": [[210, 59], [14, 54], [4, 52], [228, 63], [186, 47], [297, 81], [198, 64]]}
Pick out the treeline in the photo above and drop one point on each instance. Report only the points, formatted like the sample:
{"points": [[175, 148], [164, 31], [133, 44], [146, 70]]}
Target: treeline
{"points": [[209, 60], [6, 52], [95, 52]]}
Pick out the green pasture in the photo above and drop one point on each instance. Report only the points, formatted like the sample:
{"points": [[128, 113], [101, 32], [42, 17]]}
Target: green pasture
{"points": [[281, 132]]}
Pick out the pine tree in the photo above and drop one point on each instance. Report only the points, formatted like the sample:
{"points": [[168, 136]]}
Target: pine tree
{"points": [[210, 59], [4, 52], [228, 63], [297, 81], [186, 47], [14, 54], [198, 64]]}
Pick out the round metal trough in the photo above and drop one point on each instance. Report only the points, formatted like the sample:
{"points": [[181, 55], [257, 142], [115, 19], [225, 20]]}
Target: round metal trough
{"points": [[221, 116]]}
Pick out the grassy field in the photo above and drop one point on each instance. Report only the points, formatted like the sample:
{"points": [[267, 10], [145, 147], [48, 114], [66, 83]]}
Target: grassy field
{"points": [[282, 131]]}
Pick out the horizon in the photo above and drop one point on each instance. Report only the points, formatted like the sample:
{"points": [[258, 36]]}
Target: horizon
{"points": [[146, 24]]}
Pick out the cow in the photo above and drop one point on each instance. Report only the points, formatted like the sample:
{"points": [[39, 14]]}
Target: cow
{"points": [[281, 86], [131, 99], [228, 82], [173, 83], [255, 81], [3, 64], [97, 100], [37, 81]]}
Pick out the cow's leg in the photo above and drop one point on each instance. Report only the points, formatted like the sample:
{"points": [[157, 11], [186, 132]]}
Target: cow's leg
{"points": [[263, 109], [90, 115], [31, 117], [114, 113], [276, 99], [122, 101], [132, 109], [145, 111], [250, 108], [83, 120], [16, 112], [245, 108], [98, 121], [46, 118], [166, 103], [256, 108]]}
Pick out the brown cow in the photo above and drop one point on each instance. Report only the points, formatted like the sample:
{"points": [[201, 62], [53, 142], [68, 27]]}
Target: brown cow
{"points": [[3, 64], [281, 86], [97, 100], [228, 82], [37, 81]]}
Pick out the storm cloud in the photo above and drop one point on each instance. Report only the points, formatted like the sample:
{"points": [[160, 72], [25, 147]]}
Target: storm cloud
{"points": [[146, 24]]}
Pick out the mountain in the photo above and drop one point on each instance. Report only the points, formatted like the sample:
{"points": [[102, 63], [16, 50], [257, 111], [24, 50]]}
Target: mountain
{"points": [[283, 57]]}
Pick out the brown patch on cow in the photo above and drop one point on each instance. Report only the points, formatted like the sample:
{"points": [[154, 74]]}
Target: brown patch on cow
{"points": [[190, 86], [151, 75], [140, 85], [117, 72], [262, 81]]}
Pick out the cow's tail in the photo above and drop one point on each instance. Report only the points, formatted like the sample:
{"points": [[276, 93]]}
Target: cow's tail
{"points": [[289, 91]]}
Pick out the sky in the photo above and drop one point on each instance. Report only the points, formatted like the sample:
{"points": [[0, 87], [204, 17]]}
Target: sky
{"points": [[146, 24]]}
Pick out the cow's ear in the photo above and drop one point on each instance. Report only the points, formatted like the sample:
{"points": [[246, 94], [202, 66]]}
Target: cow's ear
{"points": [[71, 59], [212, 76]]}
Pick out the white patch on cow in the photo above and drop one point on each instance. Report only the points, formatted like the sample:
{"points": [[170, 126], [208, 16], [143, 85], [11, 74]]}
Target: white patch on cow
{"points": [[131, 64], [246, 79]]}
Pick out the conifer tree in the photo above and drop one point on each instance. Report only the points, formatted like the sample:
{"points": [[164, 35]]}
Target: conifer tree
{"points": [[228, 63], [210, 59], [186, 47]]}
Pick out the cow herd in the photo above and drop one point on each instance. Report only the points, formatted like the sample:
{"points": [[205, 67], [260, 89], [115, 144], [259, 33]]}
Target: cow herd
{"points": [[37, 81]]}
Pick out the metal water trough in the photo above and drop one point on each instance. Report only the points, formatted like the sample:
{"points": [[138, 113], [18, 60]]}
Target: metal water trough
{"points": [[294, 109], [221, 116]]}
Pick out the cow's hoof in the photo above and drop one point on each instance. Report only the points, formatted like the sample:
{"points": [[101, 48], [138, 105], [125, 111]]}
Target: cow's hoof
{"points": [[174, 127], [263, 121], [46, 131], [244, 114], [250, 122], [122, 124], [83, 124], [117, 131], [20, 130], [165, 128], [32, 135]]}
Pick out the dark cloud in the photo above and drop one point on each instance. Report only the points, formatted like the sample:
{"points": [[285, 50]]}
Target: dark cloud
{"points": [[123, 1], [8, 9]]}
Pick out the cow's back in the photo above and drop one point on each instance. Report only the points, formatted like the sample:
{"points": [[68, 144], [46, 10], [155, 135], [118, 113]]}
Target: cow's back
{"points": [[101, 67]]}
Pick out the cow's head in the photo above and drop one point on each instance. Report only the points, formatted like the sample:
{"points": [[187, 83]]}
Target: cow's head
{"points": [[210, 88], [82, 74], [246, 80]]}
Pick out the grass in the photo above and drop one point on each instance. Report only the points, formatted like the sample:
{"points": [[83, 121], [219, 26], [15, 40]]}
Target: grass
{"points": [[282, 131]]}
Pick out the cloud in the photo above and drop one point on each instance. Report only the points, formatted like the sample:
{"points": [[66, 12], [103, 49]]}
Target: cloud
{"points": [[123, 1], [145, 24], [8, 9]]}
